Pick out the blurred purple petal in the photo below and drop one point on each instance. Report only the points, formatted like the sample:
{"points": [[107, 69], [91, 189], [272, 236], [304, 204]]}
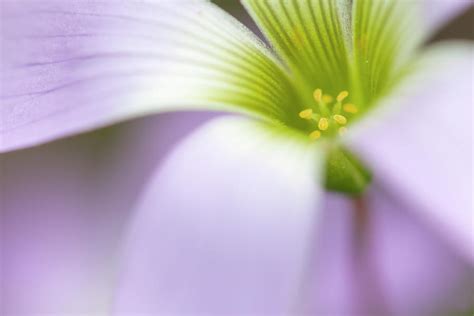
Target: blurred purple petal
{"points": [[72, 66], [375, 257], [423, 147], [420, 273], [64, 208], [224, 227], [330, 279], [438, 12]]}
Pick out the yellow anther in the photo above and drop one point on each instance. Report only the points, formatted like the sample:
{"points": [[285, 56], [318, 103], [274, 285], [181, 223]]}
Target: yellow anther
{"points": [[340, 119], [341, 96], [323, 124], [350, 108], [342, 130], [318, 94], [327, 98], [306, 114], [315, 135]]}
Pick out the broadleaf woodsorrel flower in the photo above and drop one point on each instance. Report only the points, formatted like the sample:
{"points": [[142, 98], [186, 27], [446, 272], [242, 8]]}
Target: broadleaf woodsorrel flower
{"points": [[81, 65]]}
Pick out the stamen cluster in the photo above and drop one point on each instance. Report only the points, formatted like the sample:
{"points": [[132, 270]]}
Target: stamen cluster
{"points": [[330, 117]]}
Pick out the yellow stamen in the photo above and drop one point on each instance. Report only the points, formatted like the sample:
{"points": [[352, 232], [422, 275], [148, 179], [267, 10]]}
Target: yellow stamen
{"points": [[350, 108], [327, 98], [340, 119], [318, 94], [306, 114], [315, 135], [342, 96], [330, 115], [323, 124]]}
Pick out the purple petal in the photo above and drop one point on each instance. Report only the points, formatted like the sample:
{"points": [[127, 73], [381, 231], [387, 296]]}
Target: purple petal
{"points": [[68, 67], [438, 12], [423, 147], [224, 226], [375, 257], [64, 208]]}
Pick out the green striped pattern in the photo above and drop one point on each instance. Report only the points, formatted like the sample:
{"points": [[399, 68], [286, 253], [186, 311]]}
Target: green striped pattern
{"points": [[228, 66], [311, 36], [386, 33]]}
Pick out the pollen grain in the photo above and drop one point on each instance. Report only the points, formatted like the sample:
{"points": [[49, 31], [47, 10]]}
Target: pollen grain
{"points": [[306, 114], [323, 124]]}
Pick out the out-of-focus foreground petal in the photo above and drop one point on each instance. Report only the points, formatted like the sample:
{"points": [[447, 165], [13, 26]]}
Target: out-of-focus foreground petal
{"points": [[438, 12], [63, 209], [67, 67], [376, 257], [225, 225], [421, 142]]}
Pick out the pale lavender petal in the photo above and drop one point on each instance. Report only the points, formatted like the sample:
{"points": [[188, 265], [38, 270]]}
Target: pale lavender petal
{"points": [[377, 257], [64, 209], [329, 279], [421, 142], [420, 273], [224, 226], [72, 66], [437, 12]]}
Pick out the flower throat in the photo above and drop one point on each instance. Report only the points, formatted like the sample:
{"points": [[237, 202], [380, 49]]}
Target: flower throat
{"points": [[328, 118]]}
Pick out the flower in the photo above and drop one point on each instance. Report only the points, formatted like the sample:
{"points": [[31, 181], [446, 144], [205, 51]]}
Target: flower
{"points": [[226, 223]]}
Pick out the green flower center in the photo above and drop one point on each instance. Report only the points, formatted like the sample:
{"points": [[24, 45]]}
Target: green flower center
{"points": [[329, 116], [341, 59]]}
